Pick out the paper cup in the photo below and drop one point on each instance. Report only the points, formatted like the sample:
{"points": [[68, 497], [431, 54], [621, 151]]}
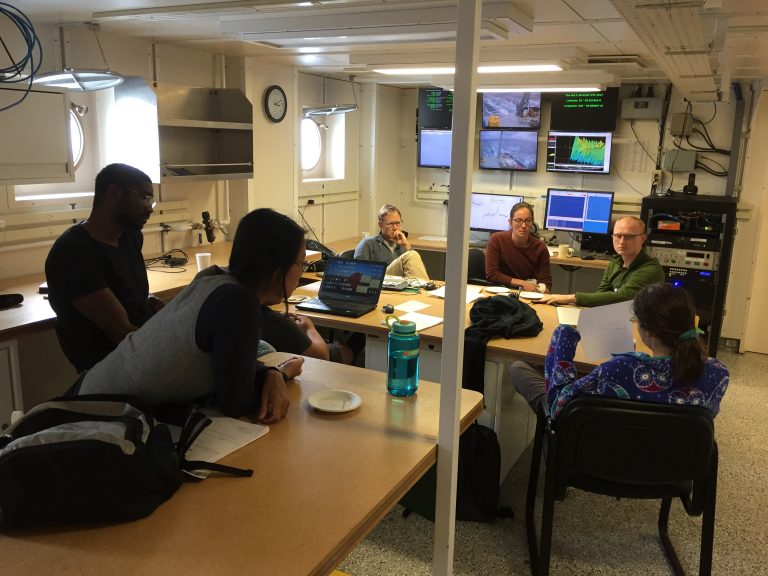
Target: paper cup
{"points": [[203, 260]]}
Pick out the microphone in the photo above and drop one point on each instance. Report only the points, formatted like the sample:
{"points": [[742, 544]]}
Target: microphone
{"points": [[208, 226]]}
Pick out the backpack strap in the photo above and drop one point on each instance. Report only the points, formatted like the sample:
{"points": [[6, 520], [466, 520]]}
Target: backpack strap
{"points": [[195, 424]]}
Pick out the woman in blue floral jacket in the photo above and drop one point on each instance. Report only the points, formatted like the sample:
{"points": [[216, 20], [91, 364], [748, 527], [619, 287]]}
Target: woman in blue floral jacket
{"points": [[678, 371]]}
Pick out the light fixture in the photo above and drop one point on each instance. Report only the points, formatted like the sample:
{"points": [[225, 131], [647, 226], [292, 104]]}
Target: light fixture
{"points": [[329, 110], [80, 80], [372, 25], [486, 69], [550, 88], [567, 81]]}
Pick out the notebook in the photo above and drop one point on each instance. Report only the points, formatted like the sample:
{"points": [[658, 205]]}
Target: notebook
{"points": [[348, 288]]}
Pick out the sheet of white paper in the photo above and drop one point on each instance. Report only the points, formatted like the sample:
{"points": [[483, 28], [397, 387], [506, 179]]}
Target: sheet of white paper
{"points": [[423, 321], [472, 293], [568, 315], [312, 253], [411, 306], [434, 238], [223, 436], [606, 330]]}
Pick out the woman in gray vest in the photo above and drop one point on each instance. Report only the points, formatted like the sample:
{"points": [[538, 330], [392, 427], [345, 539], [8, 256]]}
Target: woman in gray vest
{"points": [[204, 342]]}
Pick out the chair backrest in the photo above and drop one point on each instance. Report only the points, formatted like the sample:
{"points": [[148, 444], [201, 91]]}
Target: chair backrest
{"points": [[348, 254], [632, 449], [475, 265]]}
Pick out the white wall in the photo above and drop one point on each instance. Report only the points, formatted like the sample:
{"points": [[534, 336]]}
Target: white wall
{"points": [[752, 253]]}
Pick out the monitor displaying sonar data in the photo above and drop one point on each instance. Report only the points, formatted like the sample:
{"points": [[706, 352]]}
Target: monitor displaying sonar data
{"points": [[512, 110], [490, 212], [584, 152], [578, 210], [508, 150]]}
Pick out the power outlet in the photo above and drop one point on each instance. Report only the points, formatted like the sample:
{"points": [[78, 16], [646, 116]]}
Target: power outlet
{"points": [[658, 181]]}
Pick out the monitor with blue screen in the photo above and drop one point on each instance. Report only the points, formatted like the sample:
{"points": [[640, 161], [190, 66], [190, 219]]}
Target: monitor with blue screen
{"points": [[434, 148], [490, 212], [578, 210]]}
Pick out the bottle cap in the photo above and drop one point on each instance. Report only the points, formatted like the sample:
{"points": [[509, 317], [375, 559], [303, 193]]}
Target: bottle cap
{"points": [[404, 327]]}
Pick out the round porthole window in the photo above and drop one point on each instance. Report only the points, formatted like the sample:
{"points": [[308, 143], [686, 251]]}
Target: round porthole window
{"points": [[311, 144], [76, 137]]}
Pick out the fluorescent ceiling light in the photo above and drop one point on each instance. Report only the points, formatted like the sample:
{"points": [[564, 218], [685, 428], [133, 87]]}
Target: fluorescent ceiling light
{"points": [[496, 69], [543, 89]]}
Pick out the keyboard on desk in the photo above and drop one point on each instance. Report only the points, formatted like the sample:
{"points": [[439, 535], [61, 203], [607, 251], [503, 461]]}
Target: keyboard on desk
{"points": [[338, 307], [591, 255]]}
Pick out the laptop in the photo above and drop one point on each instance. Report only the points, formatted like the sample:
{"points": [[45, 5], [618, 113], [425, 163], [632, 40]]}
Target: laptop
{"points": [[348, 288]]}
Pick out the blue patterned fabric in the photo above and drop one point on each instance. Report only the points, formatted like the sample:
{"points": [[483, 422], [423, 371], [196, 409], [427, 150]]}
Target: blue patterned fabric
{"points": [[632, 375]]}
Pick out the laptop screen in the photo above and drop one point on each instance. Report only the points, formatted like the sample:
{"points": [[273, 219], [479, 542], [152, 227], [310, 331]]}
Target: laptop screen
{"points": [[352, 280]]}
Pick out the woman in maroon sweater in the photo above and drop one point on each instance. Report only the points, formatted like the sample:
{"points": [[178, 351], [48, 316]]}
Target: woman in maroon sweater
{"points": [[516, 257]]}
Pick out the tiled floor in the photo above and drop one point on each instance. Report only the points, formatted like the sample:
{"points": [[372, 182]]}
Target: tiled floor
{"points": [[600, 535]]}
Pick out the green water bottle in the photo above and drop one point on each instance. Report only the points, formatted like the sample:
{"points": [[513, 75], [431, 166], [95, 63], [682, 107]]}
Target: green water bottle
{"points": [[402, 357]]}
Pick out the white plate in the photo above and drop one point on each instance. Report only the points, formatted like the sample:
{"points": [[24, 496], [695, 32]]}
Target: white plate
{"points": [[334, 400], [497, 289], [531, 295]]}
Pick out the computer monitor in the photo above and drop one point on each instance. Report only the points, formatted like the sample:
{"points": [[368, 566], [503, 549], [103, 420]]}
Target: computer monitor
{"points": [[512, 110], [434, 148], [509, 150], [584, 111], [578, 210], [580, 152], [490, 212]]}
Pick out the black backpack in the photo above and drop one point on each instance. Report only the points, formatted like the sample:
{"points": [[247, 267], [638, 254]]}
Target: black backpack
{"points": [[93, 458], [478, 485]]}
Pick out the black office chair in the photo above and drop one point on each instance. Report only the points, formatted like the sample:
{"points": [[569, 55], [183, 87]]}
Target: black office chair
{"points": [[348, 254], [476, 267], [626, 449]]}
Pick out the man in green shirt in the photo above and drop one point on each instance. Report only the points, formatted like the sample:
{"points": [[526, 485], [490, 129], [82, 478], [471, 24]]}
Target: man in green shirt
{"points": [[626, 273]]}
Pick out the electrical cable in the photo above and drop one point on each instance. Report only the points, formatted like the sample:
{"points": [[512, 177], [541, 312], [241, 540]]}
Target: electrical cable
{"points": [[688, 109], [714, 113], [168, 260], [307, 224], [15, 72], [632, 126]]}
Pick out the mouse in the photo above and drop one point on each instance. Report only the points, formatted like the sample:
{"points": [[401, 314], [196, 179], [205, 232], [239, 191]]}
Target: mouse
{"points": [[429, 286], [587, 257], [388, 309]]}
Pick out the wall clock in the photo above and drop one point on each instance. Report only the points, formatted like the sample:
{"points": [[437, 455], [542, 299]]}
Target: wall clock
{"points": [[275, 103]]}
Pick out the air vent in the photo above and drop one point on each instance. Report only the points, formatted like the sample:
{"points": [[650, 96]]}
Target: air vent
{"points": [[622, 59]]}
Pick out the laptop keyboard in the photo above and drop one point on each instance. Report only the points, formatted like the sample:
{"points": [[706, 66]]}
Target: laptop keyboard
{"points": [[338, 304]]}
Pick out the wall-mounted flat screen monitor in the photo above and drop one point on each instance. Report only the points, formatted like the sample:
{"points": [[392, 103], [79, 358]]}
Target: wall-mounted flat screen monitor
{"points": [[508, 150], [511, 110], [490, 212], [435, 108], [585, 111], [582, 152], [434, 148], [578, 210]]}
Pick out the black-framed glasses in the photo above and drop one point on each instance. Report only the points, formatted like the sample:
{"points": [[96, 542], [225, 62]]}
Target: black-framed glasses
{"points": [[625, 236], [521, 221], [392, 224]]}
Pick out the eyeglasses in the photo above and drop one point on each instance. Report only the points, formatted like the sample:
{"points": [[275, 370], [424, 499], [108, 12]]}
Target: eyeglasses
{"points": [[146, 198], [520, 221], [392, 224], [627, 237]]}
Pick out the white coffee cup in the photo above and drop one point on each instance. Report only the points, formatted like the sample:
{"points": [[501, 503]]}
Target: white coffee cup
{"points": [[203, 260], [564, 251]]}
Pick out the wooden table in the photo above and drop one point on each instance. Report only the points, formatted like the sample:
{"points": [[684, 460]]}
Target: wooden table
{"points": [[321, 483]]}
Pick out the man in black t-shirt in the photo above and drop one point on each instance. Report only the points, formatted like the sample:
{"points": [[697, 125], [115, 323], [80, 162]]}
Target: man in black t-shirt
{"points": [[97, 283]]}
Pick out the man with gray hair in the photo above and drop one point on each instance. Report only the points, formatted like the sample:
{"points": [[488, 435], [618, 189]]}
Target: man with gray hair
{"points": [[391, 246]]}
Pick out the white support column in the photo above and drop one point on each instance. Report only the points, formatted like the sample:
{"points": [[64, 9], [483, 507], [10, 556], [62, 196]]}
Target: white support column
{"points": [[467, 55]]}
